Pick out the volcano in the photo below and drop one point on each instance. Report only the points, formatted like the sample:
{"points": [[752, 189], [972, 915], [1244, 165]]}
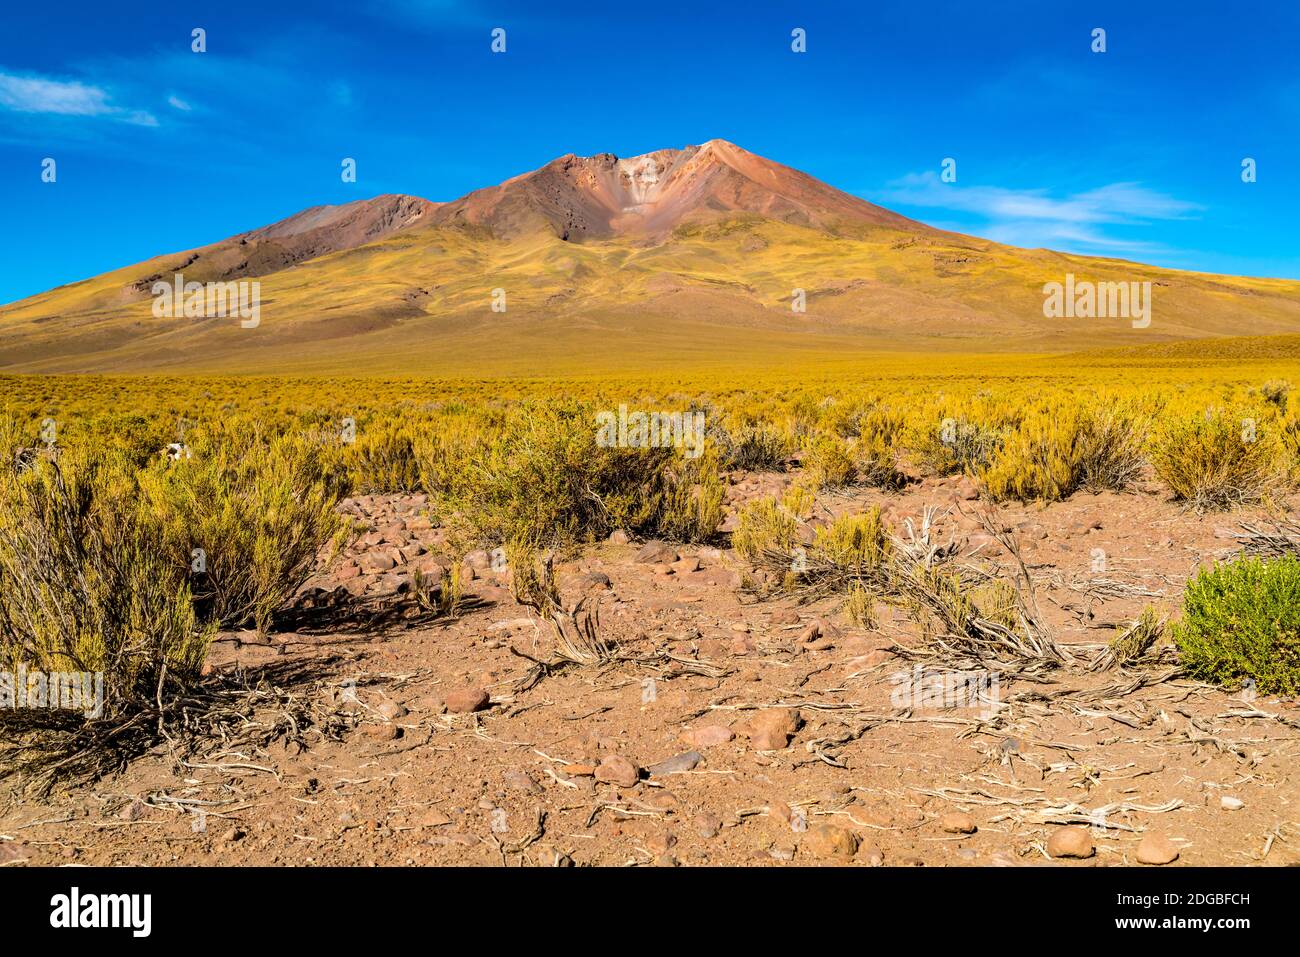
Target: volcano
{"points": [[703, 254]]}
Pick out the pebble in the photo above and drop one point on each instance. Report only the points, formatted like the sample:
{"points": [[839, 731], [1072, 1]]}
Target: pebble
{"points": [[957, 822], [1156, 849], [656, 553], [677, 764], [707, 825], [831, 841], [708, 736], [1231, 803], [771, 730], [617, 770], [466, 700], [1070, 842]]}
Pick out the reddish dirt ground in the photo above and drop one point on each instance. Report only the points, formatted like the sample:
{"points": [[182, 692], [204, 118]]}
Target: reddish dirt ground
{"points": [[1206, 772]]}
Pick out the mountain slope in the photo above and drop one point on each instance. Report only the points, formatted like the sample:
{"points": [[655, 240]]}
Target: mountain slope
{"points": [[680, 256]]}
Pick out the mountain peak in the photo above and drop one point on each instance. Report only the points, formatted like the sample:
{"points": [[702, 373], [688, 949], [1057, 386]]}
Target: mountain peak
{"points": [[579, 197]]}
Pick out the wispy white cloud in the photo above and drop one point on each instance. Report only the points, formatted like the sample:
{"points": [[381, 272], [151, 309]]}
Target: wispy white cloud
{"points": [[31, 93], [1036, 217], [176, 103]]}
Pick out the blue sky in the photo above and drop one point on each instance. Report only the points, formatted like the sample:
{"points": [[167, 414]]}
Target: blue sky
{"points": [[1134, 153]]}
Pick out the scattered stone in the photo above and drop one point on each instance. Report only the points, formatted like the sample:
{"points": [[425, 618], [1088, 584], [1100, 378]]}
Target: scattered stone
{"points": [[662, 569], [1070, 842], [831, 841], [742, 645], [384, 731], [377, 562], [677, 764], [133, 811], [479, 560], [785, 616], [467, 700], [391, 710], [684, 566], [707, 825], [521, 781], [710, 735], [434, 818], [967, 490], [1156, 849], [782, 852], [1231, 803], [772, 729], [617, 770], [957, 822], [873, 855], [656, 553], [550, 856], [619, 537], [596, 581], [579, 770]]}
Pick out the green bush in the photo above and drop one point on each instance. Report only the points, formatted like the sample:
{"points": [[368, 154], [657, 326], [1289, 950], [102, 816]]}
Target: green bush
{"points": [[1241, 620], [1218, 460], [260, 508], [85, 585]]}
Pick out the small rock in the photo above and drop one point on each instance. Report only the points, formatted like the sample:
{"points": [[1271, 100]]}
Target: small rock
{"points": [[466, 700], [385, 731], [957, 822], [596, 581], [1070, 842], [619, 537], [1156, 849], [656, 553], [12, 851], [707, 825], [742, 645], [873, 855], [772, 729], [708, 736], [377, 562], [831, 841], [684, 566], [678, 764], [617, 770], [521, 781], [1231, 803], [391, 710]]}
